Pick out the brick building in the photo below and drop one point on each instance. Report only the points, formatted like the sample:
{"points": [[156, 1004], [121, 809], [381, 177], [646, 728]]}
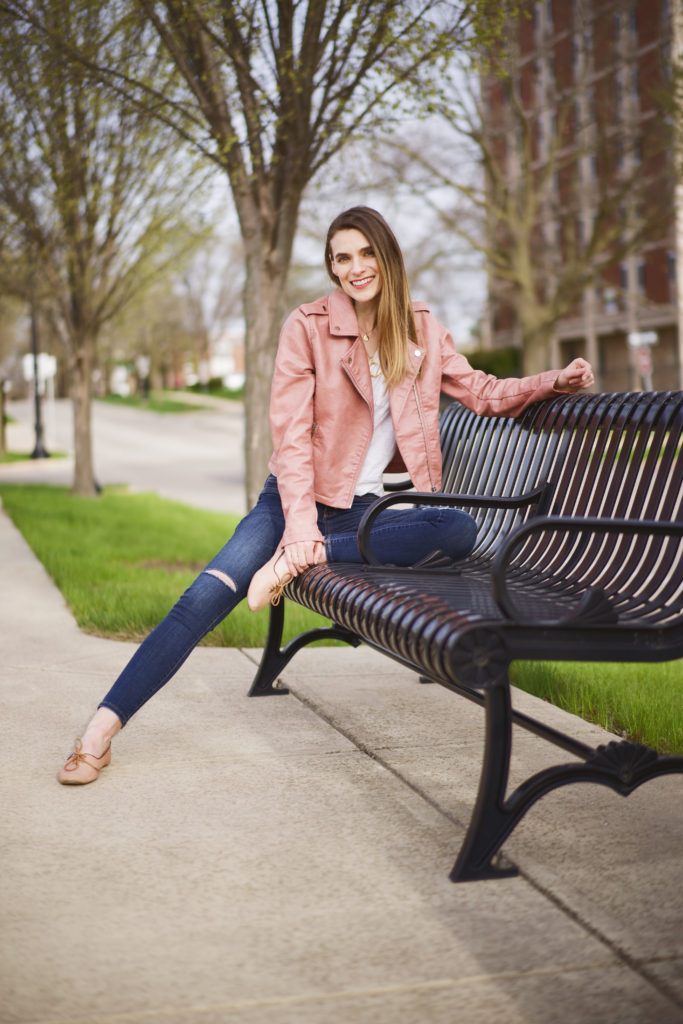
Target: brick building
{"points": [[597, 75]]}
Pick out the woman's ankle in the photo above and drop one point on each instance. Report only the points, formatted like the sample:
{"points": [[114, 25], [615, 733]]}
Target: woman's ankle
{"points": [[100, 731]]}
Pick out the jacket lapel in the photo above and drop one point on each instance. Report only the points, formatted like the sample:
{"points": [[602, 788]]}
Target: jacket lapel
{"points": [[399, 394], [354, 363]]}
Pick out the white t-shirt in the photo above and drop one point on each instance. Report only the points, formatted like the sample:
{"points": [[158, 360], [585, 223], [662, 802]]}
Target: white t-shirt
{"points": [[383, 443]]}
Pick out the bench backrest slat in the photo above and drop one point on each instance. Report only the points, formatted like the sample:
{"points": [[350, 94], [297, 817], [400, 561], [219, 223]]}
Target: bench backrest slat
{"points": [[497, 456], [614, 456]]}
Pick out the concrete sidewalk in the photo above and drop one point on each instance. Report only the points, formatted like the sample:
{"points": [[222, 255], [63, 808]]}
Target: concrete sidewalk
{"points": [[247, 861]]}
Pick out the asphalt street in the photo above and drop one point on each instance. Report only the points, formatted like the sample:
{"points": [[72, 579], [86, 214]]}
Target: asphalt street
{"points": [[195, 457]]}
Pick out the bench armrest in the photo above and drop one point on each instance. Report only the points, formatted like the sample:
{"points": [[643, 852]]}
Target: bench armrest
{"points": [[397, 485], [437, 498], [592, 605]]}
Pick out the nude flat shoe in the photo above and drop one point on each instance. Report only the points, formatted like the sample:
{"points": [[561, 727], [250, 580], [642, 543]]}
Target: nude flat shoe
{"points": [[267, 584], [80, 768]]}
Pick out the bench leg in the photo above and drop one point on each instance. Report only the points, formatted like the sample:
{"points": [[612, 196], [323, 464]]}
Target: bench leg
{"points": [[271, 662], [623, 766], [275, 657], [490, 823]]}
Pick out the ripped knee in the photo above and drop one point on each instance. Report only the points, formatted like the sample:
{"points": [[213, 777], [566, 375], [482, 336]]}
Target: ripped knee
{"points": [[223, 577]]}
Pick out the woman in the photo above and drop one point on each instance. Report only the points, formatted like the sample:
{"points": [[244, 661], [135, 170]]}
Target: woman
{"points": [[355, 392]]}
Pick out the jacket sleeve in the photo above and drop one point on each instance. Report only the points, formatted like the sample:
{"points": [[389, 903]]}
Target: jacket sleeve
{"points": [[291, 425], [486, 394]]}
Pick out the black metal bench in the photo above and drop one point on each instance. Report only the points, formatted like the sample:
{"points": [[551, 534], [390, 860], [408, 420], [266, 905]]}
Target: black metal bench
{"points": [[578, 558]]}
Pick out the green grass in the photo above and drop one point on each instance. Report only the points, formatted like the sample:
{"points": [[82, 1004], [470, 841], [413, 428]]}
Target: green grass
{"points": [[156, 402], [23, 456], [643, 702], [122, 559], [216, 390], [14, 456]]}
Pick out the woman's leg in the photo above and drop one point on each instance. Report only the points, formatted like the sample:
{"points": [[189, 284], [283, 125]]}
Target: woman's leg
{"points": [[401, 537], [212, 596], [406, 536]]}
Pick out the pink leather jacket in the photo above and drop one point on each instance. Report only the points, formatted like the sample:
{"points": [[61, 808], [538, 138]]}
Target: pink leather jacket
{"points": [[321, 409]]}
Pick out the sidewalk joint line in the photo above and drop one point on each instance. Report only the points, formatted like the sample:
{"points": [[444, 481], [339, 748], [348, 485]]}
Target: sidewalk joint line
{"points": [[628, 961], [436, 985]]}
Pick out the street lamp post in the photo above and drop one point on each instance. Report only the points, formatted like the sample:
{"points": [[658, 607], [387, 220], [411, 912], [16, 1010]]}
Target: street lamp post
{"points": [[39, 452]]}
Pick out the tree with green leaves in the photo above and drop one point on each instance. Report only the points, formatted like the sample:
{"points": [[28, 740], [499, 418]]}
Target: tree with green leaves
{"points": [[93, 196]]}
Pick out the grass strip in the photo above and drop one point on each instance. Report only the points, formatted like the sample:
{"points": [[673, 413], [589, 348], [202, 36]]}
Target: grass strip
{"points": [[154, 402], [640, 701], [121, 561], [25, 456]]}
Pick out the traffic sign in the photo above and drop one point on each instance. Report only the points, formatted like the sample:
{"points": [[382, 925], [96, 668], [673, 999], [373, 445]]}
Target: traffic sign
{"points": [[638, 338]]}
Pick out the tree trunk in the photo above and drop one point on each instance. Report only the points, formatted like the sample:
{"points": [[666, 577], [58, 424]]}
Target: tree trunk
{"points": [[81, 384], [3, 447], [264, 312], [535, 349]]}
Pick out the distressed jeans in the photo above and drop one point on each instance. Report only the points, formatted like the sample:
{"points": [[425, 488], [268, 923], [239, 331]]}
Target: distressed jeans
{"points": [[402, 537]]}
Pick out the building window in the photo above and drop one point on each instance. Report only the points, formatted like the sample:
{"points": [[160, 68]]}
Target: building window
{"points": [[610, 300], [671, 267], [623, 277], [588, 41], [641, 276], [633, 21], [633, 72], [578, 235], [620, 156]]}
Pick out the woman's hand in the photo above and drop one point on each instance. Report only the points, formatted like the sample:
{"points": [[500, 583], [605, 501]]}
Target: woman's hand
{"points": [[575, 377], [302, 554]]}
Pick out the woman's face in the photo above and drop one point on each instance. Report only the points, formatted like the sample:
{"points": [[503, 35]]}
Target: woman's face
{"points": [[354, 264]]}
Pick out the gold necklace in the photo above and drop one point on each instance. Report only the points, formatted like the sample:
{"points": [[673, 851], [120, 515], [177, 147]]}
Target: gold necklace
{"points": [[366, 336]]}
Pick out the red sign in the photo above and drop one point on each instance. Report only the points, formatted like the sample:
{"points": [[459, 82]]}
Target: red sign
{"points": [[644, 360]]}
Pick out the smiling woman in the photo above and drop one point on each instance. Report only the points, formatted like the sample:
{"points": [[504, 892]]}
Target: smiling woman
{"points": [[356, 391]]}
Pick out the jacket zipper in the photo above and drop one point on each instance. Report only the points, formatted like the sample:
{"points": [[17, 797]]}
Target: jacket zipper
{"points": [[424, 435]]}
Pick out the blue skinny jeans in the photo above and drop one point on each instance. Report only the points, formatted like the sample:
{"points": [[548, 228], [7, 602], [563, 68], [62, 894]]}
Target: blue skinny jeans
{"points": [[402, 537]]}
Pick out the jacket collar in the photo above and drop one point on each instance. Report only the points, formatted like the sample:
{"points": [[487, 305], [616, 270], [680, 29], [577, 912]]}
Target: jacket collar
{"points": [[343, 321]]}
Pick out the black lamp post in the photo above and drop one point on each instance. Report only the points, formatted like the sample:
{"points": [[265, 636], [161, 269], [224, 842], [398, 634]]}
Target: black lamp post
{"points": [[39, 452]]}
